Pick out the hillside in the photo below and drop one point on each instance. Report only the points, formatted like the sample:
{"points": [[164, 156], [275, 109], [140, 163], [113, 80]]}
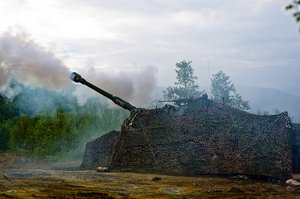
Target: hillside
{"points": [[271, 100]]}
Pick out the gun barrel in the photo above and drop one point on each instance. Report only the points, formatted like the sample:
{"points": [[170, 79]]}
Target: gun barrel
{"points": [[124, 104]]}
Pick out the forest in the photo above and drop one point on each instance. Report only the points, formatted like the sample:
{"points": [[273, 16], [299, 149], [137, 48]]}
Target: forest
{"points": [[58, 130]]}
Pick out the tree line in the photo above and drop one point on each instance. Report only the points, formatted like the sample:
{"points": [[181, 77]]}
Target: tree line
{"points": [[53, 133], [222, 88]]}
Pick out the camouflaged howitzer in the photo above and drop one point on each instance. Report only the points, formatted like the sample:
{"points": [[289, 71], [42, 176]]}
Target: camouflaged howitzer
{"points": [[198, 136]]}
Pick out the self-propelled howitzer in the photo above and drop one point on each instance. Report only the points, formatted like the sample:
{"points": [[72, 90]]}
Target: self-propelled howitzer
{"points": [[126, 105]]}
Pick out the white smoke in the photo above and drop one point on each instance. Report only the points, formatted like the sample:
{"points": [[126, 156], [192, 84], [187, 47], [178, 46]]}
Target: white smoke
{"points": [[26, 62], [5, 86], [135, 86], [23, 61]]}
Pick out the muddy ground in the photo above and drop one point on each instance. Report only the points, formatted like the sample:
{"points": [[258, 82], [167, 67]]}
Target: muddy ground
{"points": [[22, 177]]}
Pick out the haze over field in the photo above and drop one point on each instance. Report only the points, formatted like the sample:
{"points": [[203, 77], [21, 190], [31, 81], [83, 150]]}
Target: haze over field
{"points": [[138, 42]]}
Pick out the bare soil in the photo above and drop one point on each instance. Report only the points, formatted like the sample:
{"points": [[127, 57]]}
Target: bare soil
{"points": [[23, 177]]}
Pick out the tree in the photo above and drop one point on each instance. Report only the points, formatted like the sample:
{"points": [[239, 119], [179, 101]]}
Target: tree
{"points": [[223, 90], [185, 86], [295, 5]]}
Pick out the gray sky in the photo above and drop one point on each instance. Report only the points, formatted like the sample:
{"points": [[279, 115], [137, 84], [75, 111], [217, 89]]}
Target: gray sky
{"points": [[256, 42]]}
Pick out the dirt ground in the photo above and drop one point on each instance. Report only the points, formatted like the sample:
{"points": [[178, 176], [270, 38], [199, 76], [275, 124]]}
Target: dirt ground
{"points": [[22, 177]]}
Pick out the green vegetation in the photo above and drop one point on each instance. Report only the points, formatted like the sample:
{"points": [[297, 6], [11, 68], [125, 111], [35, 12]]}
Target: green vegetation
{"points": [[186, 86], [295, 6], [52, 134], [223, 90]]}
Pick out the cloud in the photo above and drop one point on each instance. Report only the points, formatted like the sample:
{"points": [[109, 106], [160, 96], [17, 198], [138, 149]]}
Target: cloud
{"points": [[234, 36]]}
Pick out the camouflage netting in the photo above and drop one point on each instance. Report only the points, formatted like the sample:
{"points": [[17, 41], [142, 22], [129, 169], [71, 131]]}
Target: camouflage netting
{"points": [[99, 151], [296, 148], [202, 138]]}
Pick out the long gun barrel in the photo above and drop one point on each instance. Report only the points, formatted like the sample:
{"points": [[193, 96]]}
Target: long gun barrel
{"points": [[126, 105]]}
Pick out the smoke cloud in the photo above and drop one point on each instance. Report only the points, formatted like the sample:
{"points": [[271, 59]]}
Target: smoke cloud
{"points": [[23, 61], [135, 85], [3, 77], [26, 62]]}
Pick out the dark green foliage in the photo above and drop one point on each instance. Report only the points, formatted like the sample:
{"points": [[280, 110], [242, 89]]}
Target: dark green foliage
{"points": [[186, 86], [223, 90], [295, 6], [55, 133], [5, 127], [7, 113], [7, 109]]}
